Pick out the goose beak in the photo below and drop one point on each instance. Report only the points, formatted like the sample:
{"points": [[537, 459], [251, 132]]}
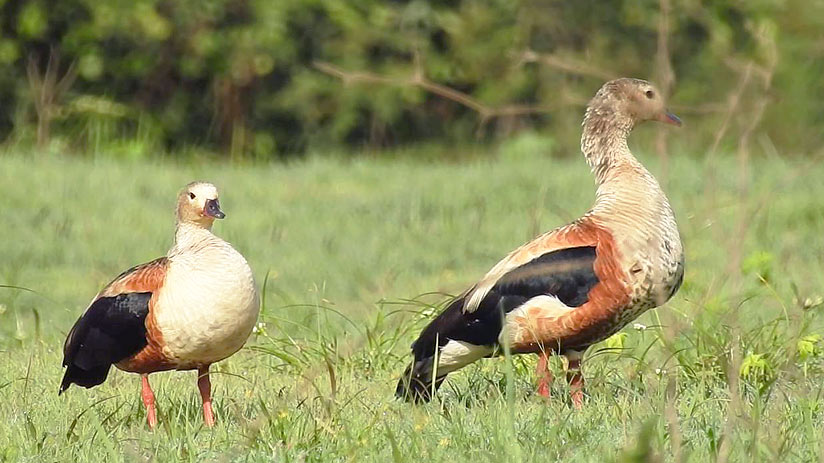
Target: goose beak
{"points": [[668, 118], [212, 209]]}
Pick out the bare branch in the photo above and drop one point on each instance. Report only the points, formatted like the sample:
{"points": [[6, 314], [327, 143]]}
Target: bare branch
{"points": [[665, 76], [565, 64], [485, 112], [418, 79], [733, 100], [47, 89], [454, 95]]}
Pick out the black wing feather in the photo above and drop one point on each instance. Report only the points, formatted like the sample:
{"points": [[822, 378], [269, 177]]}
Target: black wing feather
{"points": [[567, 274], [112, 329]]}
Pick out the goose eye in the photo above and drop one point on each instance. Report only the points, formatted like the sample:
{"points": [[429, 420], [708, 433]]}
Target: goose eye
{"points": [[191, 195], [650, 94]]}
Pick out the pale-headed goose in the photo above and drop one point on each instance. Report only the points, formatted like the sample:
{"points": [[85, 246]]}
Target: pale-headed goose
{"points": [[185, 311]]}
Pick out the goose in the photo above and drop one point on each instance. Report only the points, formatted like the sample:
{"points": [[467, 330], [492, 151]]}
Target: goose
{"points": [[578, 284], [185, 311]]}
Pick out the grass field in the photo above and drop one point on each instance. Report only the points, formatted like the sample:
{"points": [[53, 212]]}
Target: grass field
{"points": [[353, 256]]}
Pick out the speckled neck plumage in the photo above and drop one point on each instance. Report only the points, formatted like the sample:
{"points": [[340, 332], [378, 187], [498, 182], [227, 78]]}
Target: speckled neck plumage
{"points": [[630, 203], [624, 185], [604, 140]]}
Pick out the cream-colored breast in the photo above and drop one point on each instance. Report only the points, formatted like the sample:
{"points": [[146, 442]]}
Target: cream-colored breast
{"points": [[643, 225], [208, 304]]}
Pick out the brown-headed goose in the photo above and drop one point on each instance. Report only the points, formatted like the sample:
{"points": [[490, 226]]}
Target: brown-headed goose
{"points": [[185, 311], [578, 284]]}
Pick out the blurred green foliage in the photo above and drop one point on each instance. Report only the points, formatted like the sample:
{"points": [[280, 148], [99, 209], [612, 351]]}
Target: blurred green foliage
{"points": [[239, 76]]}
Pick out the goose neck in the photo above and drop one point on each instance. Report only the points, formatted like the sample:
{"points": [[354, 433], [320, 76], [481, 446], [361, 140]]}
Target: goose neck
{"points": [[604, 145], [189, 236]]}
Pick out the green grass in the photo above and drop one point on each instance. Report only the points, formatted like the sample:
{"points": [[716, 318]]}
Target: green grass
{"points": [[731, 368]]}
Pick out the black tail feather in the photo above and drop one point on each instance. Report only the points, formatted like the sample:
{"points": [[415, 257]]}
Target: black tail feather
{"points": [[416, 383], [85, 378]]}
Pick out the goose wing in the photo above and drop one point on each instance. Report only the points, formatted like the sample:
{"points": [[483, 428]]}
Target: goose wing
{"points": [[113, 327]]}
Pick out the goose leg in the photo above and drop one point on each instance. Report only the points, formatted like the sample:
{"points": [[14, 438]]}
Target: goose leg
{"points": [[148, 401], [576, 383], [544, 375], [205, 387]]}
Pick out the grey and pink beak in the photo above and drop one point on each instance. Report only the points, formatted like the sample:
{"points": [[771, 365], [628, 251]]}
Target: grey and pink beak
{"points": [[668, 118], [212, 209]]}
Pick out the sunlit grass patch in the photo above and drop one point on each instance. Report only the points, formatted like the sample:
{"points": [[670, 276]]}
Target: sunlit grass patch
{"points": [[354, 257]]}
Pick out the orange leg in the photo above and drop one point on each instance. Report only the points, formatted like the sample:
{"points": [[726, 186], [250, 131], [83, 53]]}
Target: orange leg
{"points": [[148, 401], [576, 383], [205, 387], [544, 375]]}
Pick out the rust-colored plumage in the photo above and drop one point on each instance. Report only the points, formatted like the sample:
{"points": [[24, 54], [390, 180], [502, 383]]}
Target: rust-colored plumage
{"points": [[193, 307], [576, 285], [146, 278], [547, 330]]}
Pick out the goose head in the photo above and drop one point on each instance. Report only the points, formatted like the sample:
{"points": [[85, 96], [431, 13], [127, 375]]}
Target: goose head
{"points": [[198, 204], [630, 102]]}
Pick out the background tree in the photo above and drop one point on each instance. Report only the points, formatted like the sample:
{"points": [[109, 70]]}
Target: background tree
{"points": [[264, 79]]}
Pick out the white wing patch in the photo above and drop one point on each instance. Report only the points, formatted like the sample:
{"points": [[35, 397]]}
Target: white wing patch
{"points": [[527, 318], [457, 354]]}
